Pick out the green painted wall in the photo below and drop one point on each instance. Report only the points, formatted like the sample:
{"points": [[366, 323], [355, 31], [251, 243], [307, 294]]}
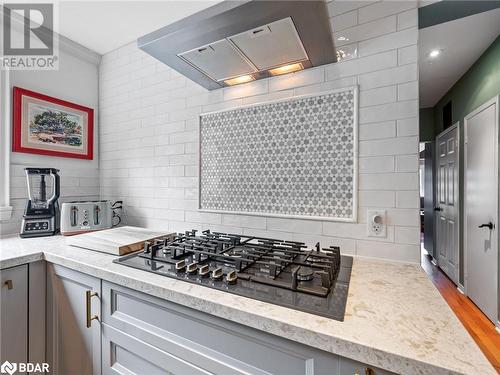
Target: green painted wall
{"points": [[478, 85]]}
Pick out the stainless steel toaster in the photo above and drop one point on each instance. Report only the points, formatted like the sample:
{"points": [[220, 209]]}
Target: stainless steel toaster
{"points": [[80, 217]]}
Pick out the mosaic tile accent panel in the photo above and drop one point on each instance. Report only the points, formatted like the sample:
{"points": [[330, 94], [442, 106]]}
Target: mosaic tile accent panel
{"points": [[292, 158]]}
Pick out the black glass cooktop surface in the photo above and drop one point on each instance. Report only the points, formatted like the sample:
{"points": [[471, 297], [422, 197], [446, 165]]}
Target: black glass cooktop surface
{"points": [[284, 273]]}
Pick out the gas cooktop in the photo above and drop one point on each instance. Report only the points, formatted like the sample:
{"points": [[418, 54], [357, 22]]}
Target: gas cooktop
{"points": [[285, 273]]}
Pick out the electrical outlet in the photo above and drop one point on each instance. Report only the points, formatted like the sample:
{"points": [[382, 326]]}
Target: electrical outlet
{"points": [[377, 225]]}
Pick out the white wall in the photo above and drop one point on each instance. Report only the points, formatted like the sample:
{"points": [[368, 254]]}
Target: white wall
{"points": [[75, 81], [149, 134]]}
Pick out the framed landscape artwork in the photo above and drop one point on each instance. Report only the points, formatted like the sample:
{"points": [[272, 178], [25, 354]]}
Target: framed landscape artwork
{"points": [[49, 126]]}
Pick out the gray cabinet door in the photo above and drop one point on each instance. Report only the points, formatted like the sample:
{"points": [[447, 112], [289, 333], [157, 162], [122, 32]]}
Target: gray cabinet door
{"points": [[72, 347], [14, 314]]}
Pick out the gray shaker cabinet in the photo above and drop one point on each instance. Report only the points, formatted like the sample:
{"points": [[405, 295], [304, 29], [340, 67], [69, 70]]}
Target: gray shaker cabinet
{"points": [[14, 314], [140, 334], [73, 337], [147, 335]]}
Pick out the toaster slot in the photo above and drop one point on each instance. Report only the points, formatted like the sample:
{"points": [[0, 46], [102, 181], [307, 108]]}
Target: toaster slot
{"points": [[97, 218], [74, 216]]}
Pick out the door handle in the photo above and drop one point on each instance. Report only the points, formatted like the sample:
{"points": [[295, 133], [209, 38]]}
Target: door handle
{"points": [[88, 307], [490, 225], [9, 284], [438, 209]]}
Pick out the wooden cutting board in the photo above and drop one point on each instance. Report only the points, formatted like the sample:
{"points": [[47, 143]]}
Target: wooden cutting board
{"points": [[116, 241]]}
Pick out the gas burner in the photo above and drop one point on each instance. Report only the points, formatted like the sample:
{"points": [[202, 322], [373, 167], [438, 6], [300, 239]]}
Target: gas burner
{"points": [[282, 272], [305, 274], [237, 252]]}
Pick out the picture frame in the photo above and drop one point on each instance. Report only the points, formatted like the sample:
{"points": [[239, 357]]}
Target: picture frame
{"points": [[50, 126]]}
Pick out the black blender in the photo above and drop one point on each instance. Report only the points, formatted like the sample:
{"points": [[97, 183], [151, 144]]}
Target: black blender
{"points": [[41, 216]]}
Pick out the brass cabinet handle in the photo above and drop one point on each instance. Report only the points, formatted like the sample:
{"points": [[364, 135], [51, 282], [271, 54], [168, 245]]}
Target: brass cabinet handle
{"points": [[88, 305], [9, 284], [368, 371]]}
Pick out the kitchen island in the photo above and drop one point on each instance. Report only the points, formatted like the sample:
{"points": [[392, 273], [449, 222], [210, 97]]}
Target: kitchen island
{"points": [[395, 318]]}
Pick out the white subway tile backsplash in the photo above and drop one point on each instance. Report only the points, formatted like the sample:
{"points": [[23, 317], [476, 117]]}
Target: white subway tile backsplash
{"points": [[390, 111], [344, 21], [408, 91], [407, 55], [390, 41], [403, 217], [377, 130], [380, 164], [250, 89], [204, 217], [407, 163], [247, 221], [407, 127], [326, 86], [408, 19], [302, 78], [406, 235], [384, 9], [377, 198], [294, 225], [389, 251], [377, 96], [387, 77], [408, 199], [366, 31], [390, 146], [277, 95], [337, 7], [361, 65], [388, 181]]}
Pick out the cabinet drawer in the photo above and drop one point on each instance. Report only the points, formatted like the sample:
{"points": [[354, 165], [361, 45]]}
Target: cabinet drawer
{"points": [[124, 354], [177, 335], [208, 342]]}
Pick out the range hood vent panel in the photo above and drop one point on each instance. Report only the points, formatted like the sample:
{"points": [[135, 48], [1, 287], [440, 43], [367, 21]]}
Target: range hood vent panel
{"points": [[219, 60], [280, 37], [214, 45]]}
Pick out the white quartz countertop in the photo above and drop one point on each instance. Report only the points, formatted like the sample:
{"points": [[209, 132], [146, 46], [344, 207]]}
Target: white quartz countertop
{"points": [[395, 317]]}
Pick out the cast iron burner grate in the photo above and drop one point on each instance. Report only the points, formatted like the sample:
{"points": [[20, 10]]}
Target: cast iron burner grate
{"points": [[285, 273]]}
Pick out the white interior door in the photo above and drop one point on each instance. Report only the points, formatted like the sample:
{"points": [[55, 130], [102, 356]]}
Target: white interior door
{"points": [[447, 229], [481, 207]]}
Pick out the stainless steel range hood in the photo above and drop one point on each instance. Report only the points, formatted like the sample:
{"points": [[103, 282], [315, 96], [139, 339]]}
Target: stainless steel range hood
{"points": [[235, 42]]}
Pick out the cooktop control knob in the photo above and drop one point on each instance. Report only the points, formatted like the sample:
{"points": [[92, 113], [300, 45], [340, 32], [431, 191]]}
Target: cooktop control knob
{"points": [[231, 277], [180, 266], [192, 268], [217, 274], [204, 270]]}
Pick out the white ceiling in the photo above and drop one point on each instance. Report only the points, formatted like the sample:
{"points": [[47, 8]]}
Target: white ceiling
{"points": [[103, 26], [461, 43]]}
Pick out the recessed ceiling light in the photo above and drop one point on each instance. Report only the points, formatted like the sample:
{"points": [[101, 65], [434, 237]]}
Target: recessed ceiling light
{"points": [[434, 53]]}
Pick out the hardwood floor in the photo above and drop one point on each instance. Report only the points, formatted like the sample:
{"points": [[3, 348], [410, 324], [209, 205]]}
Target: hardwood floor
{"points": [[476, 323]]}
